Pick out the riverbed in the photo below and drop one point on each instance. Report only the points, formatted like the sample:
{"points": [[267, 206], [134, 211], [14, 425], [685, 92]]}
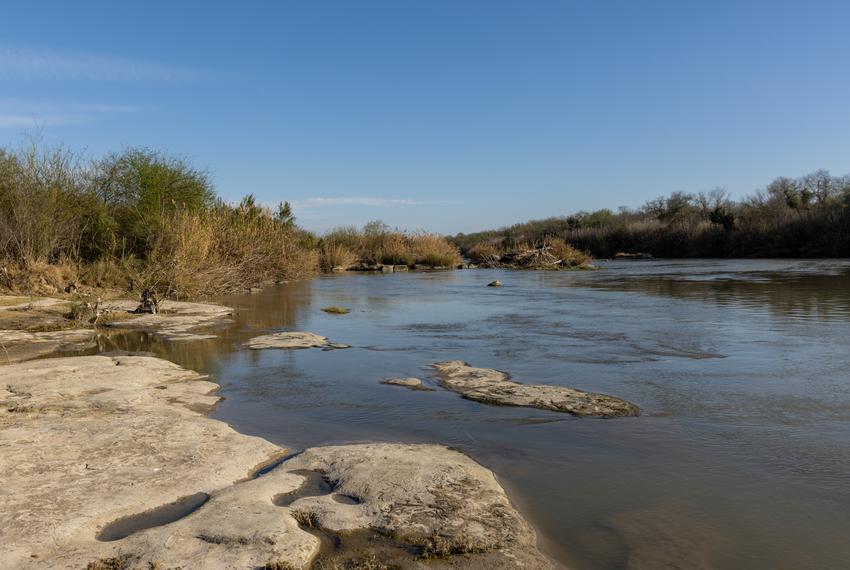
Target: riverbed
{"points": [[741, 368]]}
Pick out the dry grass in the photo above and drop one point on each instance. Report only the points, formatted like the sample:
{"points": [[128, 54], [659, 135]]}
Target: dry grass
{"points": [[306, 519], [438, 546], [484, 253], [395, 248], [568, 255], [333, 255], [112, 563], [36, 277], [377, 244], [434, 250], [279, 565], [202, 253]]}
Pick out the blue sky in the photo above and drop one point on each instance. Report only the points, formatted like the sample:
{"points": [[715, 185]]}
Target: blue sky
{"points": [[441, 115]]}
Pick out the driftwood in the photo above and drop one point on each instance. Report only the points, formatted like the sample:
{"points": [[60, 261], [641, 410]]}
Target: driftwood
{"points": [[543, 257]]}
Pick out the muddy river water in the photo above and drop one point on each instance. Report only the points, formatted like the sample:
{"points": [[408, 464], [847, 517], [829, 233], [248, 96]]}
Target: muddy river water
{"points": [[740, 459]]}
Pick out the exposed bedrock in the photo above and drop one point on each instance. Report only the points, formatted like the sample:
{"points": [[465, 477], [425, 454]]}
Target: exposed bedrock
{"points": [[292, 340], [176, 321], [113, 460], [410, 383], [491, 386]]}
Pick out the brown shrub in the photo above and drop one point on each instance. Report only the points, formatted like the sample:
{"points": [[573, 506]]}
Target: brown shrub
{"points": [[566, 253], [36, 277], [202, 253], [483, 252], [333, 255], [435, 250]]}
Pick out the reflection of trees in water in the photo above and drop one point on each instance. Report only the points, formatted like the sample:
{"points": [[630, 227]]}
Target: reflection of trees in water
{"points": [[201, 355], [275, 307], [819, 296], [281, 305]]}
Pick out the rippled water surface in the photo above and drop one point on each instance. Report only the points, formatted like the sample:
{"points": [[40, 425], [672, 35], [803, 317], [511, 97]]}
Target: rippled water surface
{"points": [[741, 458]]}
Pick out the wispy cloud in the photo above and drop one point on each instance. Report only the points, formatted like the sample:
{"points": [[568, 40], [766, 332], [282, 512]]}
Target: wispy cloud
{"points": [[31, 113], [366, 201], [47, 64]]}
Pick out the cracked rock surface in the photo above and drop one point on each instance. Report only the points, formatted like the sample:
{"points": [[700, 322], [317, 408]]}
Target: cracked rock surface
{"points": [[491, 386]]}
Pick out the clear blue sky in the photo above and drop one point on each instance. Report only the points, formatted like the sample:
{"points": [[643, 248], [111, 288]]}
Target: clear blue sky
{"points": [[446, 115]]}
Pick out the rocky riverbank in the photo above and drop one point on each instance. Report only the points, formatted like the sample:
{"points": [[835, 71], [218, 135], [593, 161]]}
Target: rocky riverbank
{"points": [[32, 327], [112, 462]]}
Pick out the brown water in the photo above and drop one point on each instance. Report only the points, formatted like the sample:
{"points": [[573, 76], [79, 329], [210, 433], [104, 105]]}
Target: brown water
{"points": [[741, 458]]}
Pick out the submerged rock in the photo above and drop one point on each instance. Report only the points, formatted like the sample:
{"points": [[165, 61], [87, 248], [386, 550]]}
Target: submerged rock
{"points": [[292, 340], [113, 461], [412, 383], [491, 386]]}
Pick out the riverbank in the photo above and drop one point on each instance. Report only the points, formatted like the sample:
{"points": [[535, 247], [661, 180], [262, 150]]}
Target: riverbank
{"points": [[156, 483]]}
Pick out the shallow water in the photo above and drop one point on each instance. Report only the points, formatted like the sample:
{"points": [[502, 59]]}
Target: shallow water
{"points": [[741, 458]]}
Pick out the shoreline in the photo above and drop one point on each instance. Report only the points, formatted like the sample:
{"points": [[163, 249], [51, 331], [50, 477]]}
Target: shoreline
{"points": [[496, 544]]}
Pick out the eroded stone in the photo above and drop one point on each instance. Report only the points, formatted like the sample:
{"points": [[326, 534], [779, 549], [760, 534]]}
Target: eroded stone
{"points": [[176, 321], [491, 386], [412, 383], [292, 340], [427, 496], [87, 441], [91, 439]]}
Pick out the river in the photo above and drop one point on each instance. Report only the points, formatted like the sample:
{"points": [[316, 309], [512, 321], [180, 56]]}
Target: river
{"points": [[740, 459]]}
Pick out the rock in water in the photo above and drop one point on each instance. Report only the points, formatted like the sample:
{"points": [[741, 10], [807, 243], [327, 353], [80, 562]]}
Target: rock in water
{"points": [[491, 386], [412, 383], [292, 340], [495, 283]]}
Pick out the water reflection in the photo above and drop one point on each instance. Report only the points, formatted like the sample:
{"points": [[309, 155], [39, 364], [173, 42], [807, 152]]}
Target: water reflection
{"points": [[810, 290]]}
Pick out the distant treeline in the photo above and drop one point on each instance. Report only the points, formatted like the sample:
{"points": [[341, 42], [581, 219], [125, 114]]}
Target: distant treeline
{"points": [[802, 217]]}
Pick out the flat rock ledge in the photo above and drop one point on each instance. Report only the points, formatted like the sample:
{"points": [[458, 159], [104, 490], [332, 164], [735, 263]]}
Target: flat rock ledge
{"points": [[292, 340], [491, 386], [176, 321], [87, 440], [411, 383], [91, 446], [26, 326]]}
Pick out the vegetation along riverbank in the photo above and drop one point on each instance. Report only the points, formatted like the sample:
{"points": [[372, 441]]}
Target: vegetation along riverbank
{"points": [[803, 217], [140, 219]]}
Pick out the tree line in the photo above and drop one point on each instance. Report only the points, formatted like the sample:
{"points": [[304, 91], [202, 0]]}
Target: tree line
{"points": [[807, 216]]}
